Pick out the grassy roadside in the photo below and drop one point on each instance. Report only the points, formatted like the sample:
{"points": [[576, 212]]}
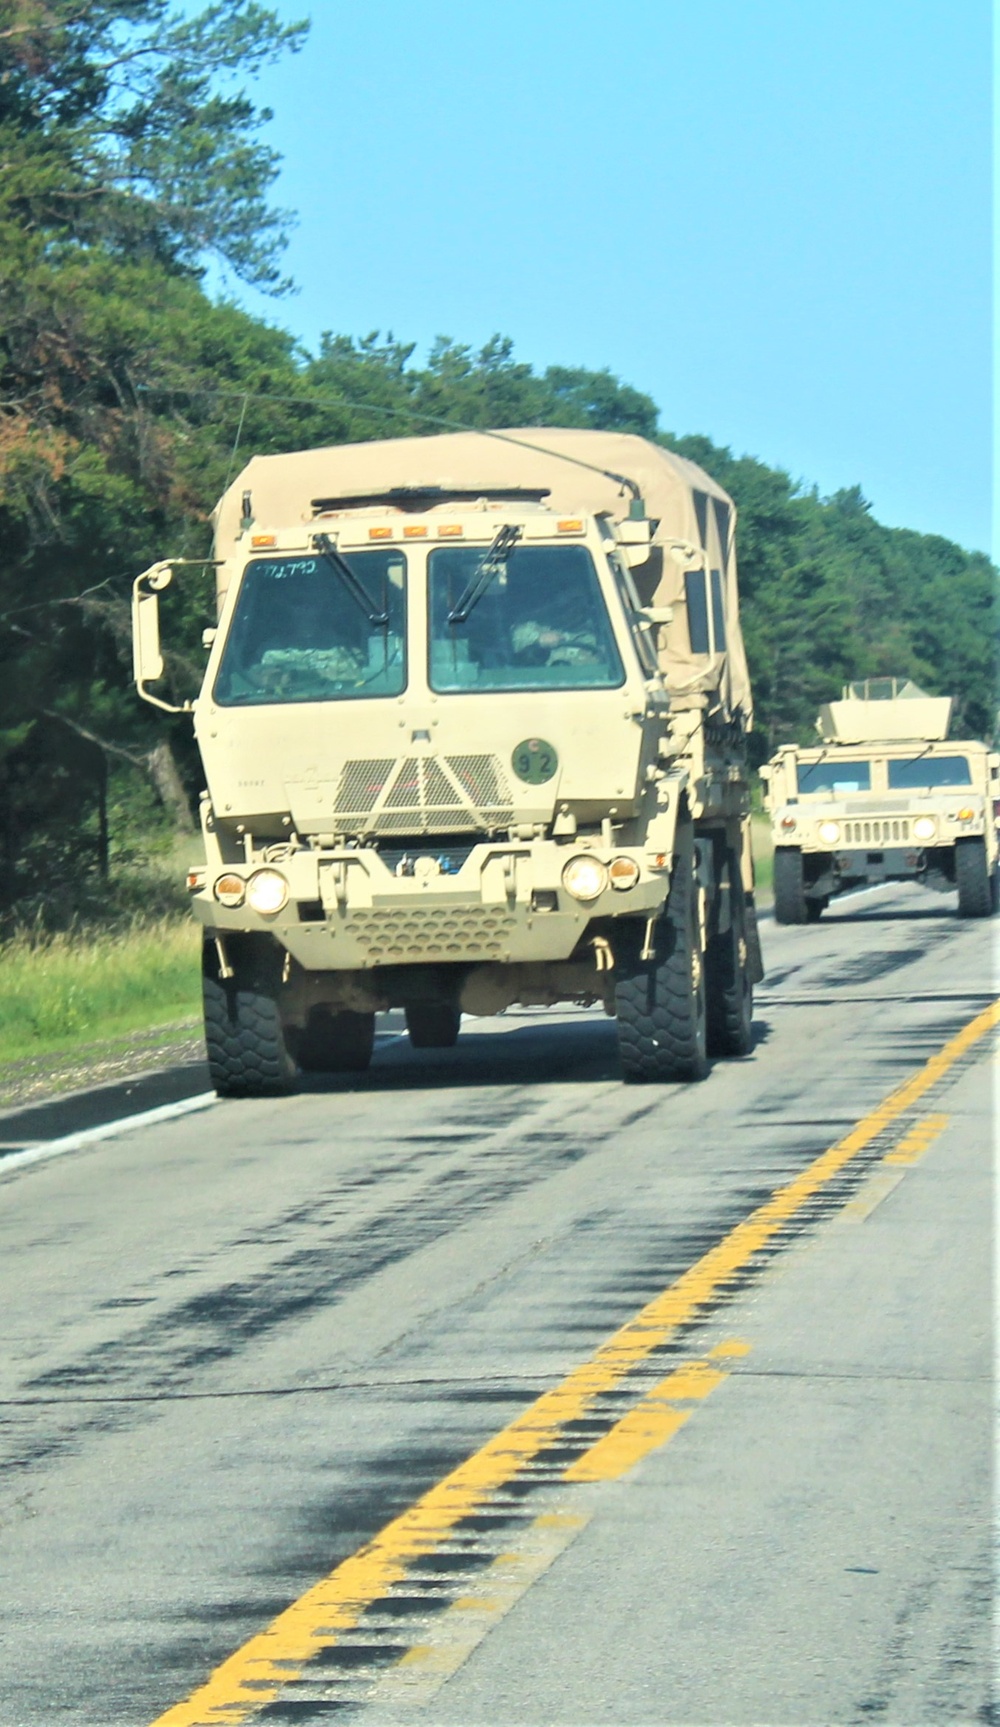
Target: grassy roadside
{"points": [[763, 856], [59, 992]]}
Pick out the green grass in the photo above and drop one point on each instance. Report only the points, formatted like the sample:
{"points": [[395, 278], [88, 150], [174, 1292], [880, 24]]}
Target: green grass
{"points": [[58, 992]]}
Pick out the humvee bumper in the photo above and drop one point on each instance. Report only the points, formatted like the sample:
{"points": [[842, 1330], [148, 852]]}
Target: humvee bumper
{"points": [[357, 909]]}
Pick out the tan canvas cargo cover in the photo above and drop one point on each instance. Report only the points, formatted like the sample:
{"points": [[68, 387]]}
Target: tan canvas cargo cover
{"points": [[684, 502]]}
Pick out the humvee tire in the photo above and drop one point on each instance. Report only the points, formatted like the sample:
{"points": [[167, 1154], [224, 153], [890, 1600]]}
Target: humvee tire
{"points": [[660, 1002], [972, 878], [815, 909], [432, 1024], [728, 990], [244, 1036], [790, 903], [336, 1042]]}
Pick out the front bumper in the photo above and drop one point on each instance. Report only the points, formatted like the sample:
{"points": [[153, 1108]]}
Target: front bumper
{"points": [[347, 910]]}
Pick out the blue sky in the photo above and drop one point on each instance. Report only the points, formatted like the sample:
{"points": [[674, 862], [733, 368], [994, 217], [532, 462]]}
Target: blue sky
{"points": [[772, 215]]}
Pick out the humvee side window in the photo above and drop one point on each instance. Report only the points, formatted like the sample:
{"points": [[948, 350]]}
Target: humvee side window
{"points": [[697, 611], [927, 772], [302, 633], [834, 777], [540, 624]]}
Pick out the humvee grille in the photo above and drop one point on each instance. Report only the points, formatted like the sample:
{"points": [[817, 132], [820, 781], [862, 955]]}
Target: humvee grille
{"points": [[880, 833], [422, 794]]}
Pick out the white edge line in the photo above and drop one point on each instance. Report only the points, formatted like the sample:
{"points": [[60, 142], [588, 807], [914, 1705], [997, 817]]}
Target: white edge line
{"points": [[109, 1130]]}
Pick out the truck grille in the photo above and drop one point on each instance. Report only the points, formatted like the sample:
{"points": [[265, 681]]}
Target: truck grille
{"points": [[422, 794], [426, 933], [881, 833]]}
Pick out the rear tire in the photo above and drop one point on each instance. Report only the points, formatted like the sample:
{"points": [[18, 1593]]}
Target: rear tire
{"points": [[729, 992], [336, 1042], [433, 1024], [244, 1036], [660, 1002], [815, 909], [972, 878], [790, 903]]}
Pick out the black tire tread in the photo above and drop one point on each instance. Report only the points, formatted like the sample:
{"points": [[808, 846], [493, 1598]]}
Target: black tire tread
{"points": [[790, 905], [972, 878], [728, 990], [658, 1034], [244, 1037], [433, 1025]]}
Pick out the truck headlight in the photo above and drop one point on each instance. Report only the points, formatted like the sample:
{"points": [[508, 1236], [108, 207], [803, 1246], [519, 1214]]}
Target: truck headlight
{"points": [[585, 877], [229, 890], [267, 892], [924, 828], [829, 833]]}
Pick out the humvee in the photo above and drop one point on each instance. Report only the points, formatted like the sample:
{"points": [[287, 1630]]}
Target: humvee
{"points": [[473, 728], [886, 796]]}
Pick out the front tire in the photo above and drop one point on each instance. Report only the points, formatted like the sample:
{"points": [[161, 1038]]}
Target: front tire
{"points": [[729, 992], [432, 1024], [660, 1002], [244, 1037], [790, 903], [972, 878]]}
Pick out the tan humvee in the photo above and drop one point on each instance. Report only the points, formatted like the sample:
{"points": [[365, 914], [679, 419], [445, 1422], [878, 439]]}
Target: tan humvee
{"points": [[473, 731], [888, 797]]}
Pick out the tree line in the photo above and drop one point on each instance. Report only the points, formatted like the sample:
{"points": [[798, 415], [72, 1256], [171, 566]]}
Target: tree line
{"points": [[130, 154]]}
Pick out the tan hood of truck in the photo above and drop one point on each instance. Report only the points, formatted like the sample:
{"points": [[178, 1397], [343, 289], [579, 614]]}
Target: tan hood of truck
{"points": [[680, 497]]}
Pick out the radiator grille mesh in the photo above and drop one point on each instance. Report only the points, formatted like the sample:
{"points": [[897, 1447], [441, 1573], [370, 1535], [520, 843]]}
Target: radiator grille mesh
{"points": [[422, 794]]}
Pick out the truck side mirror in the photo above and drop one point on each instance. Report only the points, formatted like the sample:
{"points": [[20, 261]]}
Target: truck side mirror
{"points": [[147, 655]]}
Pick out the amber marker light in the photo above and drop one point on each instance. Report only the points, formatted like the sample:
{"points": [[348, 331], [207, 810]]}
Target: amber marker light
{"points": [[195, 880], [264, 540], [380, 533], [788, 822], [451, 530], [966, 815], [229, 889], [416, 531], [624, 873], [572, 525]]}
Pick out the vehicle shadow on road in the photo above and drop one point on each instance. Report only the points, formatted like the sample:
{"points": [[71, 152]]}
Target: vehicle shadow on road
{"points": [[918, 914]]}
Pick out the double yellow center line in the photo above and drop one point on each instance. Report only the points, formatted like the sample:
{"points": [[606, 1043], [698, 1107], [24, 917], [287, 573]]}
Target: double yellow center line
{"points": [[256, 1674]]}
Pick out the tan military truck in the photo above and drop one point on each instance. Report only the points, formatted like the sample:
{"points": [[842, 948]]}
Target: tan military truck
{"points": [[886, 796], [473, 730]]}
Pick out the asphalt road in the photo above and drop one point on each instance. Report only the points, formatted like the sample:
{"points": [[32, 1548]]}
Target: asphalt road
{"points": [[489, 1390]]}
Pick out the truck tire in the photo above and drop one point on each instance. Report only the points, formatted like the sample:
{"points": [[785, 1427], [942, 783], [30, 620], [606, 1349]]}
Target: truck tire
{"points": [[660, 1002], [336, 1042], [972, 878], [790, 903], [815, 909], [433, 1024], [728, 990], [244, 1036]]}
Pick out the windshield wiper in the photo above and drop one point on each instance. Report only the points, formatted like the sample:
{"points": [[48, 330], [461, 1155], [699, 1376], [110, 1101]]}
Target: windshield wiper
{"points": [[378, 620], [490, 565]]}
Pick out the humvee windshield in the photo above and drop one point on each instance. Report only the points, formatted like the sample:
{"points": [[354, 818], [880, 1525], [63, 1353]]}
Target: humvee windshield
{"points": [[302, 633], [834, 776], [540, 624], [927, 772]]}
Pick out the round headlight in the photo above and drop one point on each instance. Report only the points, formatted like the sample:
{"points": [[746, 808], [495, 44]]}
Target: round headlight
{"points": [[924, 828], [624, 873], [267, 892], [585, 877], [229, 890], [829, 833]]}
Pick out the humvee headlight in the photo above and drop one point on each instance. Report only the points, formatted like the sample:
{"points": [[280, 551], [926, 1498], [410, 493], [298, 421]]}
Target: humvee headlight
{"points": [[229, 890], [829, 833], [624, 873], [585, 877], [924, 828], [267, 892]]}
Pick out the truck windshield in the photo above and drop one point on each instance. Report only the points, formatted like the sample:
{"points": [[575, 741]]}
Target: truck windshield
{"points": [[300, 633], [834, 777], [540, 624], [926, 772]]}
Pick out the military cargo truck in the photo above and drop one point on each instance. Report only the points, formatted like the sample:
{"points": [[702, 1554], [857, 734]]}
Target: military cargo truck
{"points": [[886, 796], [473, 729]]}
